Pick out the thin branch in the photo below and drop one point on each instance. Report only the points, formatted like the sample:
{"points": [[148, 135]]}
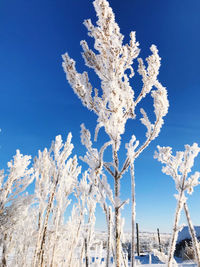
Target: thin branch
{"points": [[137, 153], [123, 203], [108, 169]]}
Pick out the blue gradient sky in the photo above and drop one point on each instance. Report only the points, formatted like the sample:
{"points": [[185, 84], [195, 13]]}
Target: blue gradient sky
{"points": [[36, 102]]}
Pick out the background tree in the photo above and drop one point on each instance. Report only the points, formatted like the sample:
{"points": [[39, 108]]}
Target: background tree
{"points": [[35, 227], [13, 202], [116, 102], [56, 176], [179, 167]]}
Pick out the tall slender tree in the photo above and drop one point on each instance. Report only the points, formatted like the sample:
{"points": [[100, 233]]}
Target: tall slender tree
{"points": [[116, 102], [179, 168]]}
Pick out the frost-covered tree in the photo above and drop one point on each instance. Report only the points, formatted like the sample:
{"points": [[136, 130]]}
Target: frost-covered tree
{"points": [[56, 176], [40, 229], [13, 203], [116, 101], [179, 168]]}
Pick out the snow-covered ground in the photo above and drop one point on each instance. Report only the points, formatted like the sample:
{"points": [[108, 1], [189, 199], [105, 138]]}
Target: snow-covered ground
{"points": [[147, 259], [148, 241]]}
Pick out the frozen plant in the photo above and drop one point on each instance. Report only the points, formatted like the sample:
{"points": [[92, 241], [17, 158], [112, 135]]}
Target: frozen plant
{"points": [[179, 168], [116, 101], [16, 180], [13, 184], [56, 176], [37, 229], [80, 238]]}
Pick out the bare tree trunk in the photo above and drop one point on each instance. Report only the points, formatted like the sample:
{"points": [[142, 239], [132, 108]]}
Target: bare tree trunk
{"points": [[41, 251], [133, 215], [109, 237], [3, 256], [40, 247], [175, 230], [117, 208], [117, 226], [56, 223], [180, 204], [193, 235], [86, 253]]}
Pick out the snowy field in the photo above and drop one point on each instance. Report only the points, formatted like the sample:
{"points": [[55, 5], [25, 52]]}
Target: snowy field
{"points": [[149, 260], [145, 260], [148, 241]]}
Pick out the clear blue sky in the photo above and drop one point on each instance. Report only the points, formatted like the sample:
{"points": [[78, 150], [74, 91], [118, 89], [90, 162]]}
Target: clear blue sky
{"points": [[36, 102]]}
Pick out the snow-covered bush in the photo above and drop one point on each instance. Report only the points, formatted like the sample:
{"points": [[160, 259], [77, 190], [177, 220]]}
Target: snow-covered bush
{"points": [[37, 230]]}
